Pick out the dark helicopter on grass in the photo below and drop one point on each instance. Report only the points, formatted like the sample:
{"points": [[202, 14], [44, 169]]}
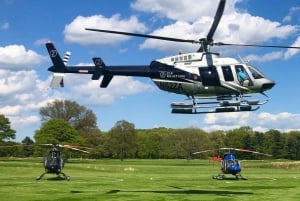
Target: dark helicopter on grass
{"points": [[54, 163], [212, 83], [229, 163]]}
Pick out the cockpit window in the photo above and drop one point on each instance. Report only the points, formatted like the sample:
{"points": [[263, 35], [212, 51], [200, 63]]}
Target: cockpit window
{"points": [[255, 73]]}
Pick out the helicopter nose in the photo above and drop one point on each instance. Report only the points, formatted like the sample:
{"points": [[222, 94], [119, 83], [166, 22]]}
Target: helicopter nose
{"points": [[268, 85]]}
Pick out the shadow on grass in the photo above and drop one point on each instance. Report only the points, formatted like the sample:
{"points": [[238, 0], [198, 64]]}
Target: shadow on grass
{"points": [[58, 178], [188, 192]]}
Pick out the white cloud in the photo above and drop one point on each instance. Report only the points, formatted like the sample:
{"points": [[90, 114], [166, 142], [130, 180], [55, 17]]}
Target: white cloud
{"points": [[258, 121], [5, 26], [186, 10], [75, 31], [291, 52], [181, 10], [292, 13], [82, 88], [265, 58], [194, 20], [14, 57]]}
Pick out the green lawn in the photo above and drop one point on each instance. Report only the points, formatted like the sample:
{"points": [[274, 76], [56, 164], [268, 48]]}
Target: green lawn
{"points": [[147, 180]]}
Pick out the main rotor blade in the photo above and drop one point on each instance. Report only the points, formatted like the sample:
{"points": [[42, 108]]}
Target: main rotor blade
{"points": [[199, 152], [143, 35], [217, 19], [76, 148], [249, 151], [251, 45]]}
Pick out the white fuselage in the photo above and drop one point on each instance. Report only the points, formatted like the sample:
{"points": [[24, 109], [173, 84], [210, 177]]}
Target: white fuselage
{"points": [[211, 75]]}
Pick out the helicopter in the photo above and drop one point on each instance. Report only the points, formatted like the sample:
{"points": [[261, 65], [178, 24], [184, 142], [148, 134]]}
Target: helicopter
{"points": [[54, 163], [229, 163], [211, 83]]}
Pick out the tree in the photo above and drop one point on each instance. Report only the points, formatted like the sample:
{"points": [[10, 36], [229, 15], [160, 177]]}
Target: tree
{"points": [[6, 132], [217, 139], [292, 145], [275, 143], [28, 148], [191, 140], [122, 140], [57, 131], [81, 118]]}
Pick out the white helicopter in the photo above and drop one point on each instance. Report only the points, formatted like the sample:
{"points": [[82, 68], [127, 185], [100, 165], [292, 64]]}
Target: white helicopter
{"points": [[200, 75]]}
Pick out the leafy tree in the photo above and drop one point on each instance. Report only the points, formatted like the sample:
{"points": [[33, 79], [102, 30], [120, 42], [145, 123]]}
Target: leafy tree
{"points": [[122, 140], [292, 145], [275, 143], [6, 132], [191, 140], [217, 139], [57, 131], [81, 118], [28, 148], [149, 143]]}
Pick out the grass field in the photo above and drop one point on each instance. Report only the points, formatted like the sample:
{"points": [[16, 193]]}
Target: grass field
{"points": [[148, 180]]}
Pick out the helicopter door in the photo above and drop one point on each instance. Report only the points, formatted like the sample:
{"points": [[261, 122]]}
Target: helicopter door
{"points": [[209, 76]]}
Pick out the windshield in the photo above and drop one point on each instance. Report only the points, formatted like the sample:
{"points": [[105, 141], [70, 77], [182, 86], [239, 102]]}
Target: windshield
{"points": [[256, 74]]}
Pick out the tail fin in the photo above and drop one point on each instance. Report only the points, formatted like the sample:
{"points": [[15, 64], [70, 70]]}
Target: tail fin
{"points": [[58, 64], [58, 67]]}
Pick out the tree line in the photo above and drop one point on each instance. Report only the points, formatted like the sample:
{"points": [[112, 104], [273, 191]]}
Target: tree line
{"points": [[66, 122]]}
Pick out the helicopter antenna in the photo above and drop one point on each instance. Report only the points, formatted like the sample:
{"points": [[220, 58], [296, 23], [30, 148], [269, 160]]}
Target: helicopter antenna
{"points": [[242, 60]]}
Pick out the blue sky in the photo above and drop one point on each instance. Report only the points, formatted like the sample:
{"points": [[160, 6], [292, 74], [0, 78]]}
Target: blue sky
{"points": [[25, 26]]}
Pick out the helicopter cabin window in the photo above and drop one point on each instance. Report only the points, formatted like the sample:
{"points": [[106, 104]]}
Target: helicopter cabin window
{"points": [[242, 75], [255, 73], [181, 58], [227, 72]]}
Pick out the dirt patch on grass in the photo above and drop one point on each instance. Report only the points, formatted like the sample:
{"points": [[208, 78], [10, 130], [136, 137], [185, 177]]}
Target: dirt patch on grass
{"points": [[295, 165]]}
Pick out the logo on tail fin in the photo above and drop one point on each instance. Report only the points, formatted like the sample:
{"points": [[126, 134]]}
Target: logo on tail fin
{"points": [[53, 53]]}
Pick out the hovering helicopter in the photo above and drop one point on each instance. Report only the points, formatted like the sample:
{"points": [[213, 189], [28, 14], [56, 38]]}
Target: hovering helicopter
{"points": [[229, 163], [54, 163], [212, 83]]}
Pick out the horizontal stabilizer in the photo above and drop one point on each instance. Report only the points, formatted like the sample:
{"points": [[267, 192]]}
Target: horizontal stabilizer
{"points": [[57, 80]]}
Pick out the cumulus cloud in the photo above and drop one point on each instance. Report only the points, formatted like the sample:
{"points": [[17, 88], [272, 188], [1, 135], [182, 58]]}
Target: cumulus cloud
{"points": [[14, 57], [258, 121], [88, 91], [293, 12], [75, 31], [181, 10], [291, 52], [5, 26], [266, 57], [241, 28], [22, 93]]}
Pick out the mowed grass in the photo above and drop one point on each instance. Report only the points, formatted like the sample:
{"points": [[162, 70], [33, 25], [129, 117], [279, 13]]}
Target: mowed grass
{"points": [[147, 180]]}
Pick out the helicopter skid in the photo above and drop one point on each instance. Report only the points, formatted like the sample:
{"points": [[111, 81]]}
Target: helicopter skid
{"points": [[222, 176], [216, 106], [61, 175]]}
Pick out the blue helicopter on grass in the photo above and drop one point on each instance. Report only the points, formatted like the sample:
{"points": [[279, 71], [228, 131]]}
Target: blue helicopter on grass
{"points": [[229, 163]]}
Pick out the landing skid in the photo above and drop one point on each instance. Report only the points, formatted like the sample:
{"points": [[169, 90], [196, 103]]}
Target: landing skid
{"points": [[61, 174], [219, 105], [222, 176]]}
